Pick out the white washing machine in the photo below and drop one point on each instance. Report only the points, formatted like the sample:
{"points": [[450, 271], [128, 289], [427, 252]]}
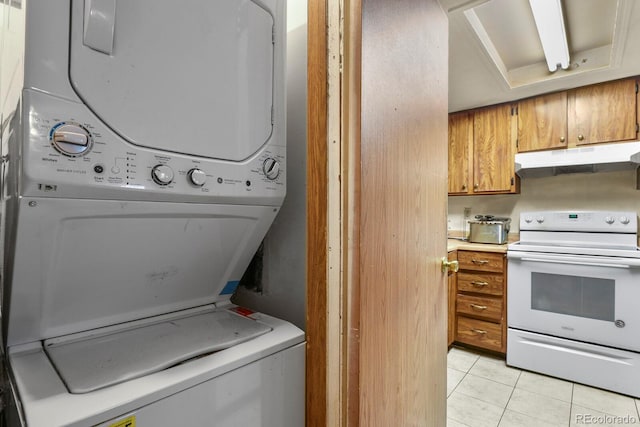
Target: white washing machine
{"points": [[144, 160]]}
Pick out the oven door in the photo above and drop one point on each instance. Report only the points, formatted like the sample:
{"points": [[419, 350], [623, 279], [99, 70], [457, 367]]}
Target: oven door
{"points": [[586, 298]]}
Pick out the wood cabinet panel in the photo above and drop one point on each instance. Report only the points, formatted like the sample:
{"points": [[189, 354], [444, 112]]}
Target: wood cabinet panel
{"points": [[482, 283], [604, 112], [542, 122], [493, 150], [460, 151], [483, 307], [481, 261], [479, 333], [451, 303]]}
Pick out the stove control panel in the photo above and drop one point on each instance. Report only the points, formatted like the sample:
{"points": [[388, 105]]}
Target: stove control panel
{"points": [[583, 221]]}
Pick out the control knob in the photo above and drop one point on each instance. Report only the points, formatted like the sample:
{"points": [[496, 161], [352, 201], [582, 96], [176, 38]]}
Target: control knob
{"points": [[624, 220], [162, 174], [528, 219], [609, 220], [540, 219], [197, 177], [271, 168], [71, 139]]}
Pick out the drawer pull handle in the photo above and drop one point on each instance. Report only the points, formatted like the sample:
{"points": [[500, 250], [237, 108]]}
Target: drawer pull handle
{"points": [[479, 331], [478, 307], [479, 284], [480, 261]]}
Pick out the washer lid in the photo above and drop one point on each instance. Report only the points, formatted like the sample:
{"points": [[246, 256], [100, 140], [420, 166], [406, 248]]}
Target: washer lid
{"points": [[99, 361], [194, 78]]}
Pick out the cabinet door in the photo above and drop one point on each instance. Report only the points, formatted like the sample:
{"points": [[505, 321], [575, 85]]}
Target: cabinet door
{"points": [[603, 113], [494, 150], [542, 122], [460, 144]]}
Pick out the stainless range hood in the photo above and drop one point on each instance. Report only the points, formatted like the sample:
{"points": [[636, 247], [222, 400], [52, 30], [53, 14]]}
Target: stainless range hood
{"points": [[596, 158]]}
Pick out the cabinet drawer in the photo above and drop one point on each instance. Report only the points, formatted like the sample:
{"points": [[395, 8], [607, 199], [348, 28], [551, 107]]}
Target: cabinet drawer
{"points": [[479, 333], [483, 283], [481, 261], [489, 308]]}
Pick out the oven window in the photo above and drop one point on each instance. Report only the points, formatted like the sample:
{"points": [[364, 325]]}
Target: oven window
{"points": [[588, 297]]}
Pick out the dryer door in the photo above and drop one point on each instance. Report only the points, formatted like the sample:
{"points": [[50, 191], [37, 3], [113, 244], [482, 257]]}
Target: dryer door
{"points": [[192, 77]]}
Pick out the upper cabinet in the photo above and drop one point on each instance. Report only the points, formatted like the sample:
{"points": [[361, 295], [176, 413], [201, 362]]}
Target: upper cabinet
{"points": [[481, 151], [483, 142], [460, 152], [603, 113], [494, 150], [542, 122], [594, 114]]}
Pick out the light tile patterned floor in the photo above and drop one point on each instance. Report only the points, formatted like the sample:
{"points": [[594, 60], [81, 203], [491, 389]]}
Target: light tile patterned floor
{"points": [[482, 391]]}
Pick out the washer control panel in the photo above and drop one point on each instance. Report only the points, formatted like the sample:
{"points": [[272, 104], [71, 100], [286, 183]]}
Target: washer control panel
{"points": [[70, 153]]}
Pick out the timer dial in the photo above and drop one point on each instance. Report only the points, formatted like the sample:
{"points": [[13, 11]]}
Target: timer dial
{"points": [[71, 139], [271, 168], [162, 174]]}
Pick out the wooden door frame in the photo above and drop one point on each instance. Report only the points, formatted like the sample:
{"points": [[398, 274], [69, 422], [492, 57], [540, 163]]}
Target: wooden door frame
{"points": [[332, 213]]}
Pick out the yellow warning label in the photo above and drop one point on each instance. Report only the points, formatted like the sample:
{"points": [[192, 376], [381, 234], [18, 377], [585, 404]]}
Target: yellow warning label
{"points": [[127, 422]]}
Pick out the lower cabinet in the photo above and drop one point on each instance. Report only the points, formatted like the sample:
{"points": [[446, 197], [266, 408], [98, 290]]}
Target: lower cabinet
{"points": [[480, 300], [451, 301]]}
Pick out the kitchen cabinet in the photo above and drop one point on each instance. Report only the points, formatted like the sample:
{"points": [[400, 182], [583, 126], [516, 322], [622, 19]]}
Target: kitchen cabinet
{"points": [[481, 319], [460, 152], [451, 301], [604, 112], [482, 147], [594, 114], [494, 146], [542, 122]]}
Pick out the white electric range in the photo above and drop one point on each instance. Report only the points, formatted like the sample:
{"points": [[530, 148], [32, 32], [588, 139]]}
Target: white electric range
{"points": [[573, 292]]}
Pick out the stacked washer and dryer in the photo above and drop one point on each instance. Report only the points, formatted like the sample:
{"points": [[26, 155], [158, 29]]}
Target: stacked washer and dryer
{"points": [[144, 163]]}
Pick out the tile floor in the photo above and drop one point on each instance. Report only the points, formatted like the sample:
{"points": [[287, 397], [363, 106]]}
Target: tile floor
{"points": [[483, 391]]}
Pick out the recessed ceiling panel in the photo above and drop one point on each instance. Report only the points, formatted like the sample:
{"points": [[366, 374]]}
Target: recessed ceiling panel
{"points": [[516, 38], [496, 55], [590, 23]]}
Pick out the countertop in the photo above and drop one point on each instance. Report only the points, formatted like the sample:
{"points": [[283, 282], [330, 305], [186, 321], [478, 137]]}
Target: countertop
{"points": [[454, 245]]}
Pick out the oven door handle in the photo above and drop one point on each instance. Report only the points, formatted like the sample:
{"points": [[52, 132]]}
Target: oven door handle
{"points": [[590, 262]]}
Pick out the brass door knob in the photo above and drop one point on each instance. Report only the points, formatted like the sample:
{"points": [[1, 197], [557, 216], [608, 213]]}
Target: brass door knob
{"points": [[446, 265], [562, 139], [475, 186], [580, 137], [464, 187]]}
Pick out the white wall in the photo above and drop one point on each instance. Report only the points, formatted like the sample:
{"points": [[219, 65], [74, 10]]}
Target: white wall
{"points": [[284, 270], [580, 191]]}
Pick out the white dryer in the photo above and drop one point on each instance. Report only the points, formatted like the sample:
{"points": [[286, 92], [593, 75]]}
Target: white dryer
{"points": [[146, 161]]}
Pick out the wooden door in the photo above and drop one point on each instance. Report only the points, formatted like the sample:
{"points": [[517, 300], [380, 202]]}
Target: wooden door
{"points": [[460, 152], [402, 222], [604, 112], [493, 150], [542, 122], [376, 297]]}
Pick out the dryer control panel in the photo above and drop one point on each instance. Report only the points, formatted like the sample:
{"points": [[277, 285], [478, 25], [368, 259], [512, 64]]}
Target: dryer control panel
{"points": [[70, 153]]}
